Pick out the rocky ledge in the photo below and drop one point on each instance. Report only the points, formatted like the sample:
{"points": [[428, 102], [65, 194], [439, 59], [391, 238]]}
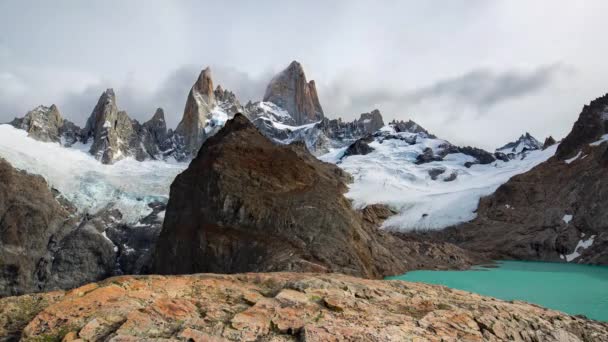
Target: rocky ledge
{"points": [[280, 307]]}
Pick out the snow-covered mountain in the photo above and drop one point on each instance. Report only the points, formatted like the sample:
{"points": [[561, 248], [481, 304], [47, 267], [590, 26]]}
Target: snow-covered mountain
{"points": [[429, 181], [526, 142]]}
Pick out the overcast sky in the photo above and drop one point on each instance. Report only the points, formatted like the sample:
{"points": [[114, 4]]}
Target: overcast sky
{"points": [[472, 71]]}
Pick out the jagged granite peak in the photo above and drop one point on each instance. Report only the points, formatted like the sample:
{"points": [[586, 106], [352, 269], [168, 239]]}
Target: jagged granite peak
{"points": [[590, 126], [246, 204], [370, 122], [549, 141], [291, 91], [227, 101], [153, 134], [526, 142], [199, 104], [116, 136], [409, 126], [46, 124]]}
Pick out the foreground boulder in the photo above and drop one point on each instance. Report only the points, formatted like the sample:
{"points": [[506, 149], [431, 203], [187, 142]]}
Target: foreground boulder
{"points": [[246, 204], [281, 307], [554, 212]]}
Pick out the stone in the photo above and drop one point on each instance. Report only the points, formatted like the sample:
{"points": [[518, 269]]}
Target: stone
{"points": [[291, 91], [46, 124], [549, 141], [359, 147], [310, 307], [32, 220], [246, 204]]}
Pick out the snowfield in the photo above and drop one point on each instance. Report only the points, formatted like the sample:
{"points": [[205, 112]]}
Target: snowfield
{"points": [[127, 185], [388, 175]]}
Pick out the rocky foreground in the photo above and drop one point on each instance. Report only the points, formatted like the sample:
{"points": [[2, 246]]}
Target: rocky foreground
{"points": [[280, 307]]}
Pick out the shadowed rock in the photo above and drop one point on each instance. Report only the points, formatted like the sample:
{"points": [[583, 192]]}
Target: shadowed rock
{"points": [[245, 204]]}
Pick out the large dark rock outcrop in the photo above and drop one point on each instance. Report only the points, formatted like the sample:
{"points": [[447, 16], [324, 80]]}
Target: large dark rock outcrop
{"points": [[291, 91], [31, 219], [245, 204], [46, 244], [555, 210]]}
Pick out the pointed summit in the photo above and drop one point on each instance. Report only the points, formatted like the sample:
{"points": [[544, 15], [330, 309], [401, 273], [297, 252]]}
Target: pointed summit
{"points": [[112, 131], [204, 87], [526, 142], [200, 102], [291, 91], [590, 126]]}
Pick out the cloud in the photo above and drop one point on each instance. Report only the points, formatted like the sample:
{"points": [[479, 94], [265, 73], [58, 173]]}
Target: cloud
{"points": [[76, 103], [476, 91]]}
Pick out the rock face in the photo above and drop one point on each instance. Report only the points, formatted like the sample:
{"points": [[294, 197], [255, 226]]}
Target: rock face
{"points": [[360, 147], [555, 211], [32, 219], [45, 244], [199, 104], [281, 307], [590, 126], [47, 124], [245, 204], [409, 126], [116, 136], [549, 141], [153, 133], [291, 91]]}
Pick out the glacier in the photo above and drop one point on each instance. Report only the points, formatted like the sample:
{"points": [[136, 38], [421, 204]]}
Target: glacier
{"points": [[128, 185], [389, 175]]}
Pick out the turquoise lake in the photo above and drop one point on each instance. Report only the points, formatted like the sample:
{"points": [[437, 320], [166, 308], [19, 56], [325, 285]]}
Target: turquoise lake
{"points": [[571, 288]]}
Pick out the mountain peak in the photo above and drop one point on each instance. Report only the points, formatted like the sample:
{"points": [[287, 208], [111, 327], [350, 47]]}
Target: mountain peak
{"points": [[290, 90], [526, 142], [591, 124]]}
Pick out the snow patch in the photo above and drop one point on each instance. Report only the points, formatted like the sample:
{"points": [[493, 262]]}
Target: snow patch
{"points": [[582, 245], [567, 218], [568, 161], [603, 138]]}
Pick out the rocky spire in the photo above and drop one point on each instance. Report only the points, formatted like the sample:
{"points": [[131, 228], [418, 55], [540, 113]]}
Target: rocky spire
{"points": [[291, 91], [592, 123], [111, 130], [200, 102], [154, 133], [370, 122]]}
